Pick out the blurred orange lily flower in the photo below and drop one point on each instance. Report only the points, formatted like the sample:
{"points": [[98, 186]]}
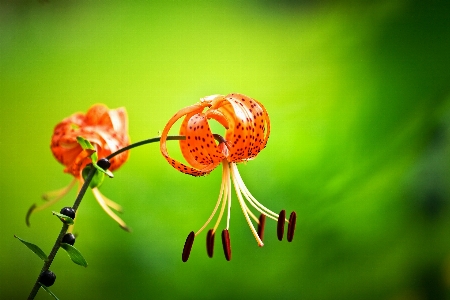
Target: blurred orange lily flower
{"points": [[247, 127], [107, 130]]}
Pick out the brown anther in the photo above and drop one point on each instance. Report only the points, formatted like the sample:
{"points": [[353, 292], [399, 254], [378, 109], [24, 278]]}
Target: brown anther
{"points": [[291, 226], [280, 226], [188, 246], [210, 243], [262, 223], [226, 244]]}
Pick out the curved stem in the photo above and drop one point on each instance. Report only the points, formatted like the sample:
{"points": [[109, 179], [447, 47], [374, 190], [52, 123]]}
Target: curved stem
{"points": [[63, 231], [80, 196], [148, 141], [218, 138]]}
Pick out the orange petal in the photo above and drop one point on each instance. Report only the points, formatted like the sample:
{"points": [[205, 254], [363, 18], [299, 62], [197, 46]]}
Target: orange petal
{"points": [[249, 130], [119, 120], [185, 145], [218, 116], [98, 115], [196, 108], [80, 162], [200, 148]]}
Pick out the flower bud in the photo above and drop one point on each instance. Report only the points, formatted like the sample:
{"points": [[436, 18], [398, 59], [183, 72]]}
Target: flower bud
{"points": [[47, 278], [68, 238], [104, 163], [68, 211]]}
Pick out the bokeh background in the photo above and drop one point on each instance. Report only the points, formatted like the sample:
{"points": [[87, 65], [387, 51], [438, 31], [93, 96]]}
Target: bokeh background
{"points": [[359, 98]]}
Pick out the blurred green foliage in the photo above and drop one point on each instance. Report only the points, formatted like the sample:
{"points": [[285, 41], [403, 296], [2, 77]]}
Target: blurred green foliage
{"points": [[359, 99]]}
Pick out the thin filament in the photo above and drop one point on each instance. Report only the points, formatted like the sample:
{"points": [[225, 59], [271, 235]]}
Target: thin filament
{"points": [[228, 186], [244, 206], [252, 215], [101, 201], [261, 208], [215, 208], [225, 182], [113, 204], [54, 196]]}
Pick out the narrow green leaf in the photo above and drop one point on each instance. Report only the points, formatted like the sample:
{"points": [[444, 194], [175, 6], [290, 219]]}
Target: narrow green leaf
{"points": [[94, 156], [38, 251], [98, 178], [65, 219], [82, 142], [107, 172], [74, 254], [48, 291], [85, 144]]}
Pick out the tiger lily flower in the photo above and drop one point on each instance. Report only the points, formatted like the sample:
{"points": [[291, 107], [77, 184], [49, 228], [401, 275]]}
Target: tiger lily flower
{"points": [[107, 130], [247, 128]]}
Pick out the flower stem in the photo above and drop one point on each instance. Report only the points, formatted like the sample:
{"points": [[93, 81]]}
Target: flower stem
{"points": [[63, 231], [77, 202], [148, 141], [218, 138]]}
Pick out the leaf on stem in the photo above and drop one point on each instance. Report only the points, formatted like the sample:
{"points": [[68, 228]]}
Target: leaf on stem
{"points": [[107, 172], [98, 178], [86, 145], [65, 219], [38, 251], [48, 291], [74, 254]]}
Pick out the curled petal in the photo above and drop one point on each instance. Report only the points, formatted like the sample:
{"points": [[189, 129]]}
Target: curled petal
{"points": [[249, 126], [104, 205], [80, 162], [197, 168], [200, 149], [187, 145], [218, 116]]}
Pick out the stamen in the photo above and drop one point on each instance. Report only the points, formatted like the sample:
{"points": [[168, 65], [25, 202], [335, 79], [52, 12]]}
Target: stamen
{"points": [[255, 203], [222, 209], [229, 197], [243, 205], [252, 214], [291, 226], [226, 244], [227, 194], [58, 194], [117, 207], [101, 201], [221, 195], [188, 246], [261, 225], [281, 222], [51, 198], [210, 243]]}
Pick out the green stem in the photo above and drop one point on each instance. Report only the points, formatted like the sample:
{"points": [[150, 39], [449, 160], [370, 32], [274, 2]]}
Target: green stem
{"points": [[77, 202], [148, 141], [63, 231], [218, 138]]}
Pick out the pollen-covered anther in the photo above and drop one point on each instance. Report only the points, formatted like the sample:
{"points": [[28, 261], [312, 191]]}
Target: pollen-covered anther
{"points": [[226, 244], [261, 225], [280, 225], [210, 242], [188, 246], [291, 226]]}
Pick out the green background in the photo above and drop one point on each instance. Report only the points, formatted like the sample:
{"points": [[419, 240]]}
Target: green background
{"points": [[359, 99]]}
